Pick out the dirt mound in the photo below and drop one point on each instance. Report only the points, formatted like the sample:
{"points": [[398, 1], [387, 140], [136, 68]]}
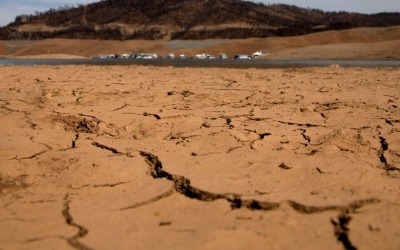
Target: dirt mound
{"points": [[76, 124]]}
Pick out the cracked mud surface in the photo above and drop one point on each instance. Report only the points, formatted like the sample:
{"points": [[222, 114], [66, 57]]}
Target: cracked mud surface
{"points": [[100, 157]]}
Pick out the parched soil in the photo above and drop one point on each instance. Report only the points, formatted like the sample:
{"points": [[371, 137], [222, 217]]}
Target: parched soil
{"points": [[122, 157]]}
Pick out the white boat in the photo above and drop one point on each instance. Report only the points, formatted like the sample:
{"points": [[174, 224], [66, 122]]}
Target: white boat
{"points": [[149, 56], [211, 56], [204, 56], [242, 57], [107, 56], [201, 56], [223, 56], [171, 56], [257, 54], [145, 56]]}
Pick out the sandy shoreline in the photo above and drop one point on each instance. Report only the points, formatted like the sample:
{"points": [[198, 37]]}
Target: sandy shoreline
{"points": [[353, 44], [122, 157], [48, 56]]}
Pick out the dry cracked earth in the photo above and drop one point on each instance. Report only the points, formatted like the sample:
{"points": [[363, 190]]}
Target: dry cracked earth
{"points": [[122, 157]]}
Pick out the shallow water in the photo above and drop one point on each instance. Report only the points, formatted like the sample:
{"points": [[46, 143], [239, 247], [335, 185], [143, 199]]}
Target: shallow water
{"points": [[216, 63]]}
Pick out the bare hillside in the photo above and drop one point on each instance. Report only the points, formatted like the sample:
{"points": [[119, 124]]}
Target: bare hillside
{"points": [[185, 19]]}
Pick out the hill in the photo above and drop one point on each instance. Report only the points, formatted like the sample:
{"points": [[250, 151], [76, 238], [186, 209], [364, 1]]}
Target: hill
{"points": [[185, 19]]}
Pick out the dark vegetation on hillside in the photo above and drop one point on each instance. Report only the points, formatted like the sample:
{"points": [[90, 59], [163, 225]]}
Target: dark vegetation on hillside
{"points": [[184, 19]]}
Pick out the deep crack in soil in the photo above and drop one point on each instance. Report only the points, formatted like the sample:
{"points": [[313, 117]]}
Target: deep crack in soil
{"points": [[341, 231], [382, 157], [82, 231], [111, 149], [74, 140], [182, 186]]}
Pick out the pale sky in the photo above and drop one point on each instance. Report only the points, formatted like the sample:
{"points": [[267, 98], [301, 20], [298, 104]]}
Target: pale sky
{"points": [[9, 9]]}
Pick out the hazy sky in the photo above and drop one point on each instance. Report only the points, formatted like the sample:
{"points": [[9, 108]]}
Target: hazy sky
{"points": [[9, 9]]}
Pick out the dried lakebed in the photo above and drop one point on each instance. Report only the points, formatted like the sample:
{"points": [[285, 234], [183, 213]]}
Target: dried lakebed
{"points": [[100, 157]]}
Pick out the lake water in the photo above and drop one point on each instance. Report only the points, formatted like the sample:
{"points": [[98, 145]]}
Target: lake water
{"points": [[215, 63]]}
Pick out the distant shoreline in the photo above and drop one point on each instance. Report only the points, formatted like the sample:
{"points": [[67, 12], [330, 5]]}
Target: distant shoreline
{"points": [[354, 44], [199, 63]]}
